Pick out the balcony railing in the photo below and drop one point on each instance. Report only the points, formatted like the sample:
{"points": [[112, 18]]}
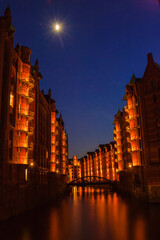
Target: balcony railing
{"points": [[25, 80], [31, 115], [31, 82], [23, 93], [128, 139], [31, 130], [22, 144], [22, 127], [31, 94], [30, 97], [31, 146], [22, 160], [127, 119]]}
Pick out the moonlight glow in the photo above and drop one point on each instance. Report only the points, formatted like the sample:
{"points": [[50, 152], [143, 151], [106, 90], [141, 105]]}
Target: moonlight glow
{"points": [[57, 27]]}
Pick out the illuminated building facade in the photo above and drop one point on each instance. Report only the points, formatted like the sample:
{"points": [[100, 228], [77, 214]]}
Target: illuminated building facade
{"points": [[122, 139], [83, 166], [137, 132], [30, 132], [74, 169], [101, 163], [61, 147]]}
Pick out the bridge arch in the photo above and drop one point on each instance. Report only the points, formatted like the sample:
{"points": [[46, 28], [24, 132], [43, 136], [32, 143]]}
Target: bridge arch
{"points": [[91, 180]]}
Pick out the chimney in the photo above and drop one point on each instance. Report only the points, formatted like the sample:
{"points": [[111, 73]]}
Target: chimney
{"points": [[49, 93], [150, 57], [36, 66], [8, 17], [26, 54]]}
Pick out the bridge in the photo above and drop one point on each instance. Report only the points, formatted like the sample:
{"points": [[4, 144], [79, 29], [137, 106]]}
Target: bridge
{"points": [[91, 180]]}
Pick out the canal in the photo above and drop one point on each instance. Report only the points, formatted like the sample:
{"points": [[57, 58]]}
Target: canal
{"points": [[88, 213]]}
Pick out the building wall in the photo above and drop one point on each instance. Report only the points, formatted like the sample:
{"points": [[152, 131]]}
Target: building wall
{"points": [[61, 147], [137, 134], [101, 163], [74, 169], [28, 118]]}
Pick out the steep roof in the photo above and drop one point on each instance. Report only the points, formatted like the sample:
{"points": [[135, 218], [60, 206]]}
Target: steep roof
{"points": [[124, 97], [118, 113], [133, 79]]}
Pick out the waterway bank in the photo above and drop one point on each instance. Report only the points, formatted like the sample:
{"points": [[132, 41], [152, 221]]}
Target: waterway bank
{"points": [[21, 198]]}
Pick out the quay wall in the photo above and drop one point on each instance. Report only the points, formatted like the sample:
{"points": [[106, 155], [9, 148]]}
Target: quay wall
{"points": [[136, 183], [18, 199]]}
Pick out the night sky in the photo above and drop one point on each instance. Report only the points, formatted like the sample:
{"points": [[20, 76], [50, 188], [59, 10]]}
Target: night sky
{"points": [[88, 65]]}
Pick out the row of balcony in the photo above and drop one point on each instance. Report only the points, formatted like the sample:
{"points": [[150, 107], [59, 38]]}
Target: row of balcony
{"points": [[30, 81], [29, 95], [25, 160], [115, 131], [27, 113], [129, 151], [25, 128], [25, 144]]}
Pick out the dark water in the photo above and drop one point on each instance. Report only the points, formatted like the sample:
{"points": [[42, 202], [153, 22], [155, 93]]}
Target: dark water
{"points": [[87, 214]]}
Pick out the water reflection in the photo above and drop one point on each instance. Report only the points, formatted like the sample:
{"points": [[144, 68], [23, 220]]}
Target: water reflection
{"points": [[88, 213]]}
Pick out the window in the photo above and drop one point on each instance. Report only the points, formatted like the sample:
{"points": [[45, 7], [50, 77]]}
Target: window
{"points": [[26, 174], [11, 99], [11, 119], [10, 145], [153, 83]]}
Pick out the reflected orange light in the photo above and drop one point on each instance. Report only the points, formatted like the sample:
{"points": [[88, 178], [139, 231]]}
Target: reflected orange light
{"points": [[140, 231]]}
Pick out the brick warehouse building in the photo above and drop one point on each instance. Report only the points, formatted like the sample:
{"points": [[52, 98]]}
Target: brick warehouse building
{"points": [[101, 163], [137, 134], [33, 142], [74, 169]]}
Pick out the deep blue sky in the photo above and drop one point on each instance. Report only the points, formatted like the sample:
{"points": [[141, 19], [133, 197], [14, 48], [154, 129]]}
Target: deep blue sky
{"points": [[87, 68]]}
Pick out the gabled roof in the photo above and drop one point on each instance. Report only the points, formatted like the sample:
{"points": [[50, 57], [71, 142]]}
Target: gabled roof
{"points": [[90, 153], [151, 65], [118, 113], [101, 146], [12, 28], [133, 79], [157, 65], [108, 147], [124, 97]]}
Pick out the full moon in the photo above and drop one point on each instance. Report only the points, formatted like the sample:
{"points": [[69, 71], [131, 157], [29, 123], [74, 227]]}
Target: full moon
{"points": [[57, 27]]}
